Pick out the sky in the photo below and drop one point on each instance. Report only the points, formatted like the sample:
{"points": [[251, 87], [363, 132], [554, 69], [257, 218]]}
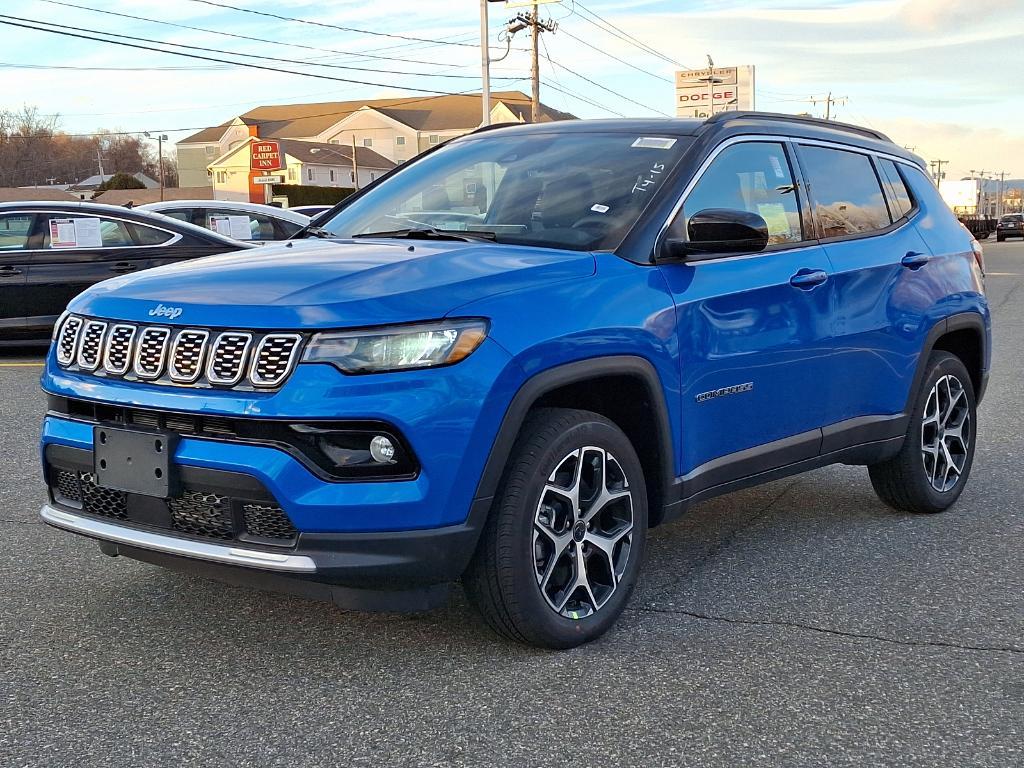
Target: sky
{"points": [[941, 77]]}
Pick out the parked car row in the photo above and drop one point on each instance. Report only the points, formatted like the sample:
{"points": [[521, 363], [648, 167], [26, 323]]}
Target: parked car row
{"points": [[52, 251]]}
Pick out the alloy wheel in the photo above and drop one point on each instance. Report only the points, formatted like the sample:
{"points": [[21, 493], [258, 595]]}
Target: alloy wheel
{"points": [[582, 532], [945, 433]]}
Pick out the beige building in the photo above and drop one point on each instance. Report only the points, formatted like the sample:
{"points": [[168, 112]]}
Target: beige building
{"points": [[397, 129], [307, 163]]}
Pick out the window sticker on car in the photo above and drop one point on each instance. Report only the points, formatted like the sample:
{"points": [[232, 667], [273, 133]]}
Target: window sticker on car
{"points": [[75, 233], [235, 227], [776, 166], [598, 208], [654, 142]]}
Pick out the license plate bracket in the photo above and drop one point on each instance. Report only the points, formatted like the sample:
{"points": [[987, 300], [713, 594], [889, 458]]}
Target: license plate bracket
{"points": [[135, 461]]}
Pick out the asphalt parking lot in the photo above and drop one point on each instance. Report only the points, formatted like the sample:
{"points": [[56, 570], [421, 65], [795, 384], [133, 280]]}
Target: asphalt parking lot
{"points": [[797, 624]]}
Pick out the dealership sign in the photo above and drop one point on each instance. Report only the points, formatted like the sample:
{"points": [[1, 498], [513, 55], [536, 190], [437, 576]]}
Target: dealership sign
{"points": [[266, 156], [701, 93]]}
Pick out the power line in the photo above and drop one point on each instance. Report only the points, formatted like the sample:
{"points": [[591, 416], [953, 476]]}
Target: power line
{"points": [[620, 33], [6, 65], [335, 113], [234, 53], [584, 99], [612, 56], [333, 26], [605, 88], [238, 36]]}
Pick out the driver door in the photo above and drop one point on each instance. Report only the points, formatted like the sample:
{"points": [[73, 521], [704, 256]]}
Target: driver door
{"points": [[754, 329]]}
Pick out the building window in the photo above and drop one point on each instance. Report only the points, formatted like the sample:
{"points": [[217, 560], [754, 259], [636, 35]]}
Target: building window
{"points": [[291, 174], [221, 177], [352, 176], [367, 142], [400, 141], [332, 174], [211, 151], [335, 141], [434, 138], [373, 177], [310, 175]]}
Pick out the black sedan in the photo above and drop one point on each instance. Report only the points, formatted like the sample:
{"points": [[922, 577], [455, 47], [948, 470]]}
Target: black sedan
{"points": [[52, 251]]}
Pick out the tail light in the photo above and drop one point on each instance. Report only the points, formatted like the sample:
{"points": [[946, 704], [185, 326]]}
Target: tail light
{"points": [[979, 255]]}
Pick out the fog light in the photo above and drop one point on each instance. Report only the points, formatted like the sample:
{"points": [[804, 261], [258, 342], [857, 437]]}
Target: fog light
{"points": [[382, 450]]}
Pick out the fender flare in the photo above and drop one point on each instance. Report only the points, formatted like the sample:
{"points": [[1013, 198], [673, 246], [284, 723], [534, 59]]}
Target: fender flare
{"points": [[571, 373], [958, 322]]}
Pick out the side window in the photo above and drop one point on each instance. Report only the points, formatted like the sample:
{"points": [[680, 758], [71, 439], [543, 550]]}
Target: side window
{"points": [[14, 231], [898, 192], [240, 226], [143, 235], [181, 214], [753, 177], [847, 194], [63, 232]]}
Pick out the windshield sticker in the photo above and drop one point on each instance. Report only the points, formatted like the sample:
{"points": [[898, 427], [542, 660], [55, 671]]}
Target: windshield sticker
{"points": [[645, 181], [654, 142], [598, 208], [75, 233], [776, 166]]}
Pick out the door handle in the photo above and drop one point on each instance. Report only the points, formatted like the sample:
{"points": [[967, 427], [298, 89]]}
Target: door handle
{"points": [[123, 266], [915, 260], [808, 278], [8, 271]]}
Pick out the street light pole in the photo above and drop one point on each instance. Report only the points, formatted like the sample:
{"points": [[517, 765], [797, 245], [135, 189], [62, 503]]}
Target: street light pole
{"points": [[160, 139]]}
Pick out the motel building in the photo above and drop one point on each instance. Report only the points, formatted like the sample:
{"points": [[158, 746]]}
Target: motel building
{"points": [[238, 174]]}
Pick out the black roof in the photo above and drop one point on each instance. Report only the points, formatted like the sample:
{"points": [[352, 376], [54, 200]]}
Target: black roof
{"points": [[727, 124]]}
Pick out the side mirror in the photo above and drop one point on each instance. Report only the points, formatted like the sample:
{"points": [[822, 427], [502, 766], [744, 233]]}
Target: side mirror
{"points": [[716, 231]]}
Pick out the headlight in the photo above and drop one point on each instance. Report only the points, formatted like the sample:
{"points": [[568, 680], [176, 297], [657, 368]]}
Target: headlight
{"points": [[397, 348]]}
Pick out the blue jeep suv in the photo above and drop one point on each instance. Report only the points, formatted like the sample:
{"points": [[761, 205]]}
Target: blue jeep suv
{"points": [[508, 359]]}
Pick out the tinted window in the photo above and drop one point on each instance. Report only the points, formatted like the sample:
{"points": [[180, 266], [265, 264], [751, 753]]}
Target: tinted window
{"points": [[143, 235], [230, 224], [752, 177], [898, 192], [73, 231], [14, 231], [181, 214], [846, 191]]}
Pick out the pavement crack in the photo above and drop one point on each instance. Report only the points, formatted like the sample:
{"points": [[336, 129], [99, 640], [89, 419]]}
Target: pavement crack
{"points": [[833, 632], [1009, 295]]}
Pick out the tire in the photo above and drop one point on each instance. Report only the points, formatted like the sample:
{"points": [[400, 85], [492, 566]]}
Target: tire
{"points": [[524, 575], [999, 238], [929, 481]]}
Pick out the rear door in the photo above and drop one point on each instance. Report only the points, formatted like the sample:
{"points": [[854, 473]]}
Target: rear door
{"points": [[864, 215], [15, 230]]}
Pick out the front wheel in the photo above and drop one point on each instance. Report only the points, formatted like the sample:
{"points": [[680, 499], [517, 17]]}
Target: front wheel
{"points": [[561, 551], [931, 469]]}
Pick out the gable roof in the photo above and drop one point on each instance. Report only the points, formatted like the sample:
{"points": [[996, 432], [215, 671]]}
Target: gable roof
{"points": [[423, 113], [325, 154], [141, 196], [17, 194]]}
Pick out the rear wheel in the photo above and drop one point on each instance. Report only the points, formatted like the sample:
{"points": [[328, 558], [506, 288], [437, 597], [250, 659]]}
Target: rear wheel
{"points": [[561, 551], [931, 469]]}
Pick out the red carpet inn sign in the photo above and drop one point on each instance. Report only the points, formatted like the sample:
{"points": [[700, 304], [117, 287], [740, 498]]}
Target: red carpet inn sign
{"points": [[265, 157], [701, 93]]}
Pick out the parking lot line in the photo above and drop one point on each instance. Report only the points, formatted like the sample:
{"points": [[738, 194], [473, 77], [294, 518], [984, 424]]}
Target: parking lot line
{"points": [[21, 365]]}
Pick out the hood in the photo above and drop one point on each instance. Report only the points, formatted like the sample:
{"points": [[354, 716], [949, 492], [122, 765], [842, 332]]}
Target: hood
{"points": [[330, 283]]}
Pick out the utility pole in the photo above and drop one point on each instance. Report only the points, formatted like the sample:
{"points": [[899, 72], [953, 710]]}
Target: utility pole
{"points": [[1002, 192], [532, 20], [937, 169], [829, 101], [355, 164], [160, 139], [99, 161]]}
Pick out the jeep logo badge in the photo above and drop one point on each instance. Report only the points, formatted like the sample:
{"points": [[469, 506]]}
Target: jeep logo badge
{"points": [[160, 310]]}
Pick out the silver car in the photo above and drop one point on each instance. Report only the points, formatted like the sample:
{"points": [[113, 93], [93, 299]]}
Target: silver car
{"points": [[249, 222]]}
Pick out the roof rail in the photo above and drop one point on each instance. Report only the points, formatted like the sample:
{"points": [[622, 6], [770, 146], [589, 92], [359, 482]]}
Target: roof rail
{"points": [[724, 117]]}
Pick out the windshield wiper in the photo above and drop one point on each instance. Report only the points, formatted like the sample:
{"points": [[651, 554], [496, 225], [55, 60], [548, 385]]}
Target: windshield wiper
{"points": [[430, 233], [315, 232]]}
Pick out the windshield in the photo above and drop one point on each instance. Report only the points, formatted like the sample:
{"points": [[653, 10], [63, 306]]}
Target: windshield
{"points": [[580, 191]]}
